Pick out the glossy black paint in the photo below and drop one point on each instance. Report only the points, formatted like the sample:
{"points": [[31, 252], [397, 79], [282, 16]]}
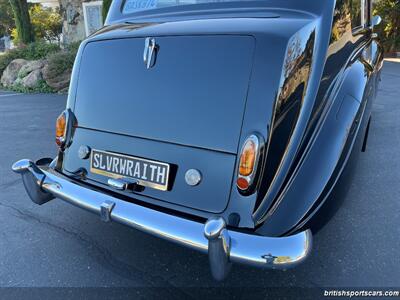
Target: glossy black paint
{"points": [[195, 78], [310, 83]]}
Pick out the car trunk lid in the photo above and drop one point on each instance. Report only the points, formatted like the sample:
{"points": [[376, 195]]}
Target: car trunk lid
{"points": [[186, 110], [194, 95]]}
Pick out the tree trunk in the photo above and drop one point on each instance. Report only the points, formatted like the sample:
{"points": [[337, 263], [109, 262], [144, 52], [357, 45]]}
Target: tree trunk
{"points": [[22, 21]]}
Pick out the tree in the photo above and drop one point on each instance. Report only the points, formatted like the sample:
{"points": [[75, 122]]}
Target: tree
{"points": [[106, 7], [22, 21], [46, 22], [6, 18], [389, 10]]}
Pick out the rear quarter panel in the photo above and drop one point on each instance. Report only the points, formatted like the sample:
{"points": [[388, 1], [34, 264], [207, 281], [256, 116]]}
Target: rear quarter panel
{"points": [[332, 140]]}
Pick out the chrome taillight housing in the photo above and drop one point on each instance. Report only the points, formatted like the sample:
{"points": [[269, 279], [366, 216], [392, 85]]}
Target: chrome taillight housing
{"points": [[64, 126], [248, 163]]}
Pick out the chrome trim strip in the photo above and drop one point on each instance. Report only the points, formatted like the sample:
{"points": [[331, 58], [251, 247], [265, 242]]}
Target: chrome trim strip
{"points": [[239, 247]]}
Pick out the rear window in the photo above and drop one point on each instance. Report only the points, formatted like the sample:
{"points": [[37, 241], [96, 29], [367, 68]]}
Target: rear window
{"points": [[132, 6]]}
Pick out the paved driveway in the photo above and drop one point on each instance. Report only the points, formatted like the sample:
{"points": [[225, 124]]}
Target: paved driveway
{"points": [[59, 245]]}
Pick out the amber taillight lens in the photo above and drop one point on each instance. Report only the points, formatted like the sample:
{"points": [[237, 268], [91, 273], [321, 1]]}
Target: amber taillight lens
{"points": [[248, 163], [61, 129], [248, 158]]}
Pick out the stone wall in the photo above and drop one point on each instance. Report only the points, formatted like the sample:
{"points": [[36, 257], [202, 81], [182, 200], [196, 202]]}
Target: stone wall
{"points": [[74, 23]]}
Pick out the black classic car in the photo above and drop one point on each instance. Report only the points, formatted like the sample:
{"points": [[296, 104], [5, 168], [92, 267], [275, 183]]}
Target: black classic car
{"points": [[230, 127]]}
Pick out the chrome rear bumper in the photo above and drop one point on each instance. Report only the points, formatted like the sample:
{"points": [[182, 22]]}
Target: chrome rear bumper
{"points": [[223, 245]]}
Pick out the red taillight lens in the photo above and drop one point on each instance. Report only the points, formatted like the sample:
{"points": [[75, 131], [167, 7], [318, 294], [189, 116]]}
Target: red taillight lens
{"points": [[61, 129], [242, 183]]}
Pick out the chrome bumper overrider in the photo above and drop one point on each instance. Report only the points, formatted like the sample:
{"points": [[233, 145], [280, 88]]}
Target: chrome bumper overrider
{"points": [[223, 245]]}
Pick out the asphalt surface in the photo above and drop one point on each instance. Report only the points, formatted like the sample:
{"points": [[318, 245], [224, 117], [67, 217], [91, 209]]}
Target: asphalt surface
{"points": [[58, 245]]}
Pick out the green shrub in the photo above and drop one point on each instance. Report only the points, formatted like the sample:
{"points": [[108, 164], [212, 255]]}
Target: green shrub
{"points": [[59, 61], [41, 87], [38, 50], [33, 51], [389, 30], [46, 22], [73, 47], [62, 61]]}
